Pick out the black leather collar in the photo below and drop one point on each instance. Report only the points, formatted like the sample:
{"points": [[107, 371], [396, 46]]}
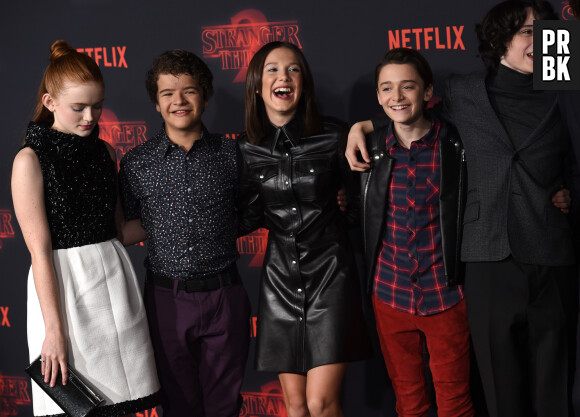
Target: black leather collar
{"points": [[288, 135]]}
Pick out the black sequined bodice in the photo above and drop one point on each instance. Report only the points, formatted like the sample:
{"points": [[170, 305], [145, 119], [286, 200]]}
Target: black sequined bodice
{"points": [[79, 185]]}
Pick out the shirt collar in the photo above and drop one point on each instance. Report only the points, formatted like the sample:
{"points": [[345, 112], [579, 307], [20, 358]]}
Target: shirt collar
{"points": [[165, 146], [428, 139], [288, 135]]}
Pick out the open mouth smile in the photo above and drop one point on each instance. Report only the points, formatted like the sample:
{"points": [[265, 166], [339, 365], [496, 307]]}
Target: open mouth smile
{"points": [[283, 92]]}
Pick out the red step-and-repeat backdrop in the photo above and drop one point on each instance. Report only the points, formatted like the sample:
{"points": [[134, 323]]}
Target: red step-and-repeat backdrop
{"points": [[342, 40]]}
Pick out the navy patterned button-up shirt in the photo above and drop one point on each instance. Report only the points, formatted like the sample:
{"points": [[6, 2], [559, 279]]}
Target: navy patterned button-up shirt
{"points": [[186, 202], [410, 275]]}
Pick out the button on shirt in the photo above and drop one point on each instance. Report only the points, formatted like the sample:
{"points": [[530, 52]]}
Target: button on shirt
{"points": [[410, 275], [186, 203]]}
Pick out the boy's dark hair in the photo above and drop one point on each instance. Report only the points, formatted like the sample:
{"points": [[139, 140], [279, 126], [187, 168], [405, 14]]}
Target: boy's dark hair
{"points": [[406, 56], [175, 62], [502, 22]]}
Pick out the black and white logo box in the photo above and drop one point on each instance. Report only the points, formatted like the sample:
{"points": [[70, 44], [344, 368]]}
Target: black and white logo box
{"points": [[557, 55]]}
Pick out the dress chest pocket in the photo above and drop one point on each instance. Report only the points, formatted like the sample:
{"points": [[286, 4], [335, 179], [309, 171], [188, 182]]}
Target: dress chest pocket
{"points": [[261, 173], [311, 167], [314, 178], [264, 177]]}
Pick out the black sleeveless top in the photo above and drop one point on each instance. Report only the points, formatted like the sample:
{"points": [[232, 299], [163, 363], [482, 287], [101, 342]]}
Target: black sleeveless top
{"points": [[79, 185]]}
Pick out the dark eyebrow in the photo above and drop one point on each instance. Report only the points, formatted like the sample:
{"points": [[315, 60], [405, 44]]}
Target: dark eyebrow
{"points": [[276, 63], [403, 81], [189, 87]]}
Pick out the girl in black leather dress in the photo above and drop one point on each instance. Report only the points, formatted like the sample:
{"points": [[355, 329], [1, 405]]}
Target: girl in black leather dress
{"points": [[292, 165]]}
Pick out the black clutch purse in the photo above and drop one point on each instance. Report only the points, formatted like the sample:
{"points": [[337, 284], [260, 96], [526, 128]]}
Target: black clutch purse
{"points": [[76, 398]]}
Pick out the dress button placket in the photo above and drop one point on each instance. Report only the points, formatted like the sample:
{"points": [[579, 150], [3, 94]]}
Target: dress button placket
{"points": [[296, 279]]}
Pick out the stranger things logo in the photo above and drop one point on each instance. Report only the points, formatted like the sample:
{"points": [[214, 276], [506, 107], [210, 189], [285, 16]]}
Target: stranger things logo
{"points": [[122, 136], [268, 403], [434, 101], [253, 326], [232, 135], [254, 244], [13, 395], [148, 413], [567, 13], [235, 44], [6, 229]]}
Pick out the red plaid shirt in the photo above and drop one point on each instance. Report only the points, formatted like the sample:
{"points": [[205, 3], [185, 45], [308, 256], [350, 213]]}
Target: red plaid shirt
{"points": [[410, 275]]}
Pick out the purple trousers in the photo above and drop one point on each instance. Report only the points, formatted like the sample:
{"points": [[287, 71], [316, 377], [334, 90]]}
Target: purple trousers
{"points": [[201, 342]]}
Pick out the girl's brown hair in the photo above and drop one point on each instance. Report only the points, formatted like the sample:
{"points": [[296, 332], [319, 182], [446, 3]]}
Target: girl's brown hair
{"points": [[256, 118]]}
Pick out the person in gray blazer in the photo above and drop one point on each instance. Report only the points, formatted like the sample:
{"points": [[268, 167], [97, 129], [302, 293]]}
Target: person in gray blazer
{"points": [[521, 284]]}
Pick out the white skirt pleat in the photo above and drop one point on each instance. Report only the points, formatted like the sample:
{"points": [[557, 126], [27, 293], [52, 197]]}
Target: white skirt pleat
{"points": [[104, 319]]}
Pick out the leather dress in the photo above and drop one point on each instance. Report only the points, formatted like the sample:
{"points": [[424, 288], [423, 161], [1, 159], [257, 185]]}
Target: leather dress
{"points": [[309, 305]]}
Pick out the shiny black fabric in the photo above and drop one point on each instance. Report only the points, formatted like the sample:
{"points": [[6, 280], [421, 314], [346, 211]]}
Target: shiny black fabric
{"points": [[309, 306], [186, 203], [452, 194], [79, 185]]}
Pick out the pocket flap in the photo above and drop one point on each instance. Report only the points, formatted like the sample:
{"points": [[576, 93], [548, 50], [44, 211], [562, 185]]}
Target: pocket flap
{"points": [[312, 166], [471, 212]]}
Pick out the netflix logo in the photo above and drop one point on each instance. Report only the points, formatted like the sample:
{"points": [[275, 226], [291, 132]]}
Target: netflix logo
{"points": [[446, 37], [107, 56], [4, 313]]}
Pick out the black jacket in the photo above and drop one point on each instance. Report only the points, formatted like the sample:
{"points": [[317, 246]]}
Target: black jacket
{"points": [[375, 186]]}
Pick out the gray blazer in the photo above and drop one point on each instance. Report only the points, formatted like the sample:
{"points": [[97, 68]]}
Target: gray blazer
{"points": [[509, 208]]}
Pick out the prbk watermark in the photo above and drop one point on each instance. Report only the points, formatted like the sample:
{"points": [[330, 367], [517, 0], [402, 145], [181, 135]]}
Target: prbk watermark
{"points": [[556, 55]]}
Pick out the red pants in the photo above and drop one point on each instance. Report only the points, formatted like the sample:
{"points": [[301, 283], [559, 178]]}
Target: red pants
{"points": [[402, 338]]}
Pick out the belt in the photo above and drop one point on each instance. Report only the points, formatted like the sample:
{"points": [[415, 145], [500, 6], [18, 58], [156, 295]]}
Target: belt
{"points": [[192, 284]]}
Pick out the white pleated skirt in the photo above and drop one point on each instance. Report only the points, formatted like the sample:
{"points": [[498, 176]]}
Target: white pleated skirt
{"points": [[105, 322]]}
